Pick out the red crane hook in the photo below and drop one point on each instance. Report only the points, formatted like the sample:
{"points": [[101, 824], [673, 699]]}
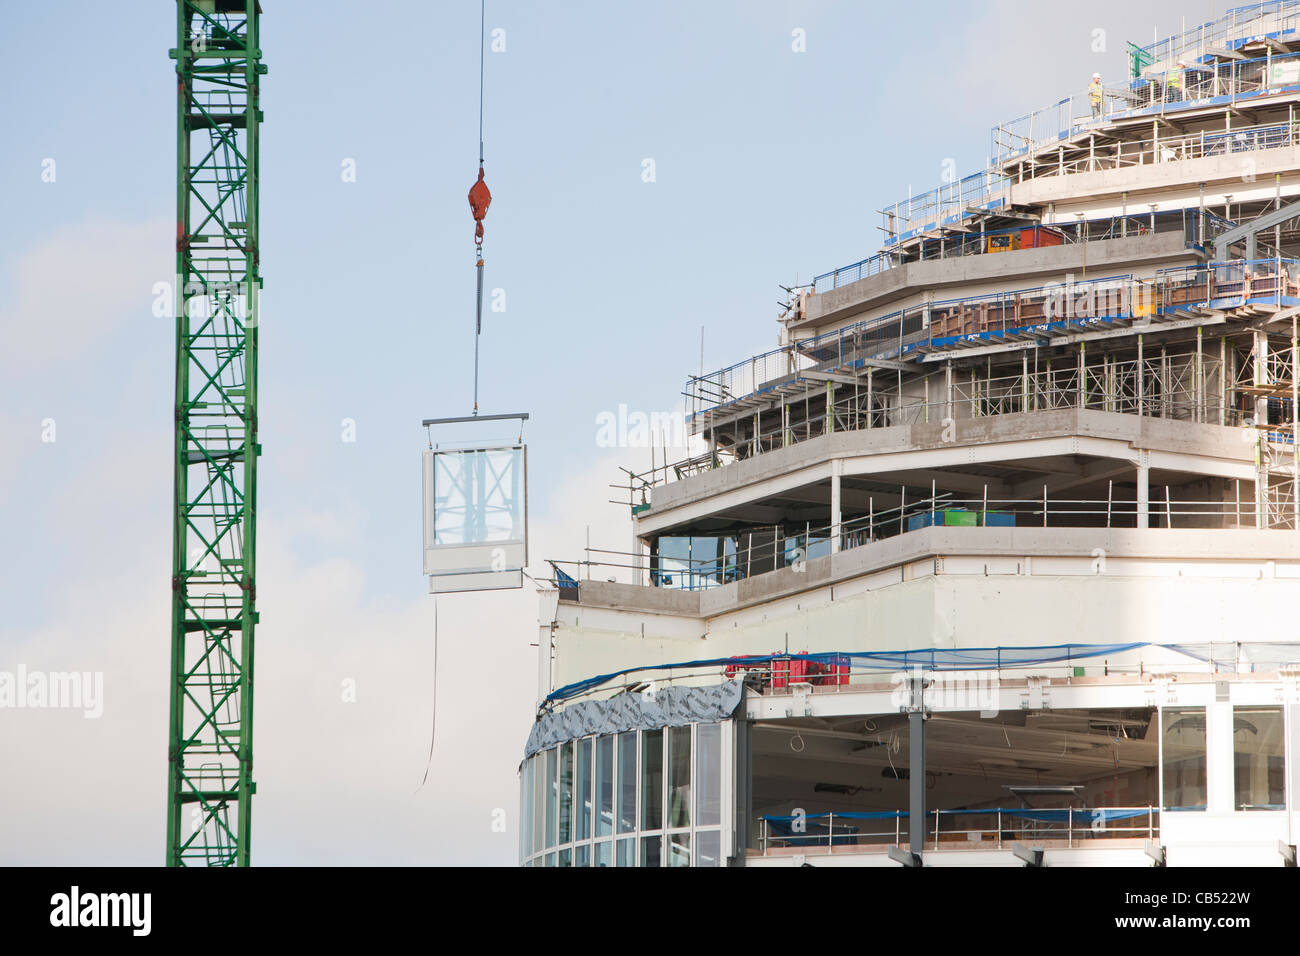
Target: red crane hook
{"points": [[480, 197]]}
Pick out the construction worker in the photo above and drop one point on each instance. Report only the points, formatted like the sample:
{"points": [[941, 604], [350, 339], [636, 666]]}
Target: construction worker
{"points": [[1174, 83], [1094, 95]]}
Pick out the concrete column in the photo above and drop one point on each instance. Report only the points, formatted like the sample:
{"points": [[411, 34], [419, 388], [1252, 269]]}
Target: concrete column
{"points": [[1143, 492], [837, 468], [916, 822], [870, 398], [948, 391], [1082, 394]]}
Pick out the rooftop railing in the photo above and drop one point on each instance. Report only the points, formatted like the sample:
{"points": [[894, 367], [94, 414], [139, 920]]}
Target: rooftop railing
{"points": [[988, 829], [947, 203], [1228, 32], [999, 318], [1019, 237], [1204, 81], [737, 556], [1157, 92]]}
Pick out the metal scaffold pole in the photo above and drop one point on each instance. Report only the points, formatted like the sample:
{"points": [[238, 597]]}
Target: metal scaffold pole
{"points": [[213, 585]]}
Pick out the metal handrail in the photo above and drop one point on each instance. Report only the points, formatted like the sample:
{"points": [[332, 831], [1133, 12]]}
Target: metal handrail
{"points": [[787, 550], [1008, 826], [902, 331]]}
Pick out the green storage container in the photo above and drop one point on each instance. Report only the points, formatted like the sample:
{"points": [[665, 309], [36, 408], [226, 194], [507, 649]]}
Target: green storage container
{"points": [[960, 518]]}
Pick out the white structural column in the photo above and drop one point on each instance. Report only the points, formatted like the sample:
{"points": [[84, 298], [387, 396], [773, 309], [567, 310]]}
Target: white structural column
{"points": [[837, 469], [1261, 434], [1219, 763], [1143, 490]]}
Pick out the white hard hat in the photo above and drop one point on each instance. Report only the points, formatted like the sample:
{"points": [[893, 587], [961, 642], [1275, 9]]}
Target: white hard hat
{"points": [[1096, 76]]}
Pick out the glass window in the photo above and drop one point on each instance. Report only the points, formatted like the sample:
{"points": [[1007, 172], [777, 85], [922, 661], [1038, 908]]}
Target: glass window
{"points": [[708, 775], [650, 848], [627, 782], [694, 563], [605, 785], [582, 854], [605, 853], [679, 776], [1259, 766], [539, 801], [551, 796], [583, 796], [566, 792], [679, 849], [526, 809], [627, 852], [478, 496], [708, 848], [1183, 739], [652, 780], [566, 858]]}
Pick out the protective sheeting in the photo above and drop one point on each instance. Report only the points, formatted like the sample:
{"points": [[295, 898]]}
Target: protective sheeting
{"points": [[965, 658], [667, 707], [1243, 656]]}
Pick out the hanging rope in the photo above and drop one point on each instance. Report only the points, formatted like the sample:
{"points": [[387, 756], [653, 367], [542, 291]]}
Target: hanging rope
{"points": [[480, 197], [433, 729]]}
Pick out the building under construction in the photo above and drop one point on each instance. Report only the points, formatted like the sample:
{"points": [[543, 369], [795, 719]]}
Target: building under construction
{"points": [[994, 558]]}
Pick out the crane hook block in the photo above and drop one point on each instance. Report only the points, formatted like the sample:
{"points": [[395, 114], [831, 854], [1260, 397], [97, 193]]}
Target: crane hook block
{"points": [[480, 197]]}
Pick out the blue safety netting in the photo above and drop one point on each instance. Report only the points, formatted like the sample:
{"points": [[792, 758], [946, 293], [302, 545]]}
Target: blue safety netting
{"points": [[930, 658]]}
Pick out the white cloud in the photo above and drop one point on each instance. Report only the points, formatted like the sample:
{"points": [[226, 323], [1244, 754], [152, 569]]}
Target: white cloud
{"points": [[81, 285], [337, 781]]}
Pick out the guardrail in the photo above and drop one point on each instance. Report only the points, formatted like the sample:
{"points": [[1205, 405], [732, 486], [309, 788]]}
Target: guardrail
{"points": [[1229, 31], [760, 549], [1036, 312], [1070, 826], [1038, 235], [1157, 92]]}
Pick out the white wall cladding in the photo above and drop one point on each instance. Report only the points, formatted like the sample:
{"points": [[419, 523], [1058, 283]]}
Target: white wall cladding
{"points": [[952, 602]]}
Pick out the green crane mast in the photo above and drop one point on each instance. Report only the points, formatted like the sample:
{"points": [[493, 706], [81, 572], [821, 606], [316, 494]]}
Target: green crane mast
{"points": [[214, 510]]}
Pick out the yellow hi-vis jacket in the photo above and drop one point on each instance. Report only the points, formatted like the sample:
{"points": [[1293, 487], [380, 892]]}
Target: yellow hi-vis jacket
{"points": [[1094, 92]]}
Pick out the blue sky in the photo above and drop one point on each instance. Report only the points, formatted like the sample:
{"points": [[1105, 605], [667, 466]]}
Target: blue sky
{"points": [[769, 166]]}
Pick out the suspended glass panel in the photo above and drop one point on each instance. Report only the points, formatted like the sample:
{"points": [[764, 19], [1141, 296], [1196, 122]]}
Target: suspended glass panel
{"points": [[475, 518]]}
